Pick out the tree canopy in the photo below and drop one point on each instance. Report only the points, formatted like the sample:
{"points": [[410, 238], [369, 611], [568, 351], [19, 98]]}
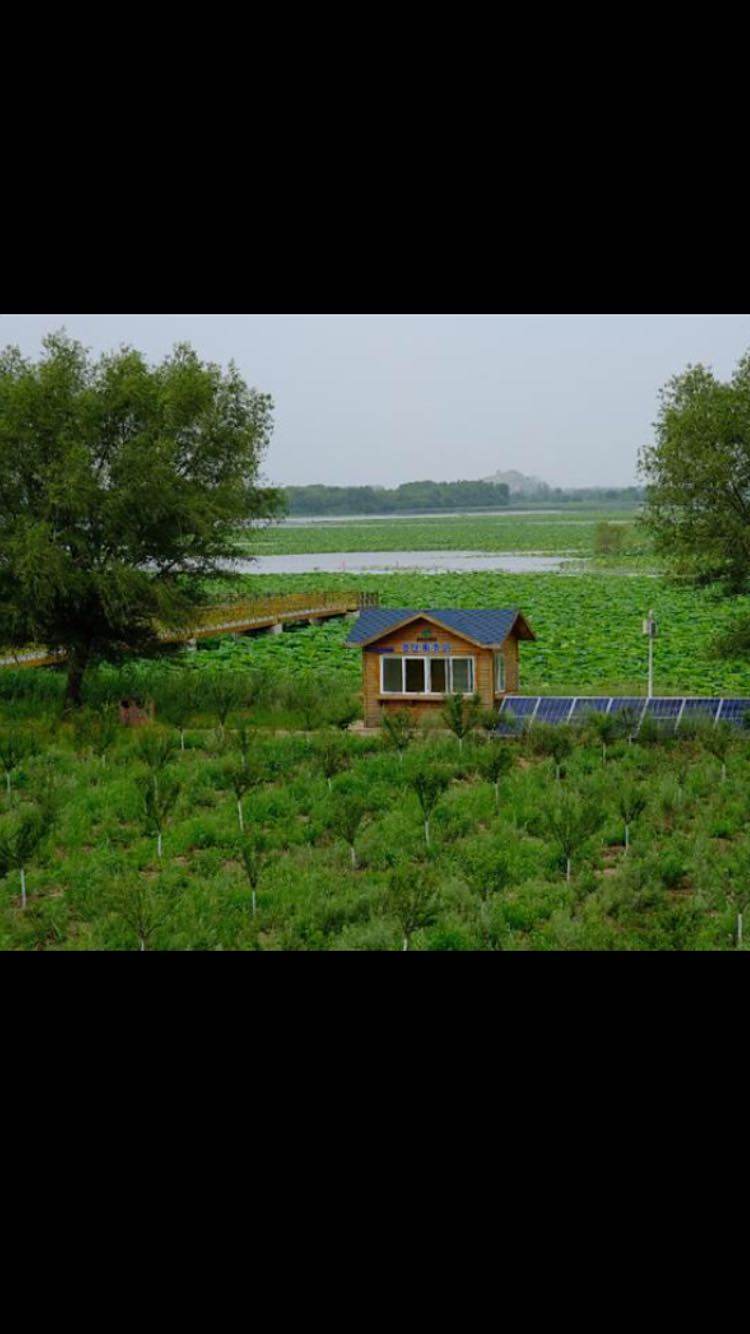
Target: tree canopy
{"points": [[698, 475], [411, 498], [122, 486]]}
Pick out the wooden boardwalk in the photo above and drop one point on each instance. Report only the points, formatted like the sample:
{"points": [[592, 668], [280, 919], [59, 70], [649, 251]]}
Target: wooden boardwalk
{"points": [[231, 618]]}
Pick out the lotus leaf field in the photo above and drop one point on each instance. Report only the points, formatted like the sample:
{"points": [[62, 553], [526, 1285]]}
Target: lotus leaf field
{"points": [[589, 631], [566, 534]]}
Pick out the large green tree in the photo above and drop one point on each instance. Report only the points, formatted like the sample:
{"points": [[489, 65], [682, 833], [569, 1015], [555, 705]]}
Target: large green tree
{"points": [[122, 485], [698, 476]]}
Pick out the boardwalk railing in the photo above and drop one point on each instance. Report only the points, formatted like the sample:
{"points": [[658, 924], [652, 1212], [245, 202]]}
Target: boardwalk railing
{"points": [[228, 618]]}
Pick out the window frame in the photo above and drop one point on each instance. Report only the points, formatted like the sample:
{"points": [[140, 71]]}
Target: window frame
{"points": [[428, 693], [391, 657], [464, 657]]}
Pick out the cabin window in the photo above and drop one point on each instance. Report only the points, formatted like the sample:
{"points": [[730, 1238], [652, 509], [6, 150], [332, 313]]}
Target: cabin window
{"points": [[462, 676], [427, 676], [415, 676], [438, 676], [393, 676], [500, 673]]}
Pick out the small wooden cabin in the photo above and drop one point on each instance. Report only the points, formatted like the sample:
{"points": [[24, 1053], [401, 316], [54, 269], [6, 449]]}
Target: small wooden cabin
{"points": [[413, 659]]}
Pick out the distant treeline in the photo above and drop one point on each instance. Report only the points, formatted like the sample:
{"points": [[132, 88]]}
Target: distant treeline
{"points": [[423, 497], [411, 498], [625, 494]]}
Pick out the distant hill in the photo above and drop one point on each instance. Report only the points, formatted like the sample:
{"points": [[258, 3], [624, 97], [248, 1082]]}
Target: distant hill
{"points": [[518, 484]]}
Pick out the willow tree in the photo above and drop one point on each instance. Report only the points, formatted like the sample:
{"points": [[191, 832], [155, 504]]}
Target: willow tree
{"points": [[122, 488]]}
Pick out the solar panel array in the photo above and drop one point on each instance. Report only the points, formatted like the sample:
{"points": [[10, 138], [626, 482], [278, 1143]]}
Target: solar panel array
{"points": [[522, 711]]}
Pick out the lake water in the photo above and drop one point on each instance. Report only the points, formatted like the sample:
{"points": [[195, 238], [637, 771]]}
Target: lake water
{"points": [[403, 562], [306, 520]]}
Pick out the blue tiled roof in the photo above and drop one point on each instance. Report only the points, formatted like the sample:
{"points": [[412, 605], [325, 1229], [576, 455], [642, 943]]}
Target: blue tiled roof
{"points": [[485, 627]]}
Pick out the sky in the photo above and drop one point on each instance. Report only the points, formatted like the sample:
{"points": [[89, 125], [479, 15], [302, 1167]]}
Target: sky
{"points": [[384, 399]]}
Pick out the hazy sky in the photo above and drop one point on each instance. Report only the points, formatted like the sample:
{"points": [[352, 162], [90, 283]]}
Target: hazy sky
{"points": [[385, 399]]}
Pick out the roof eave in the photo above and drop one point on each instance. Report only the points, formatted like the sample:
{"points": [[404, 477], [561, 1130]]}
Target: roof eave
{"points": [[525, 631]]}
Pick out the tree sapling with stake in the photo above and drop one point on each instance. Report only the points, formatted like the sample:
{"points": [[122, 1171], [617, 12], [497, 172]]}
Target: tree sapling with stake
{"points": [[570, 822], [554, 742], [346, 821], [141, 908], [397, 731], [156, 747], [631, 802], [497, 762], [17, 846], [14, 748], [159, 799], [461, 715], [332, 757], [429, 787], [253, 851], [717, 740], [241, 778], [410, 896]]}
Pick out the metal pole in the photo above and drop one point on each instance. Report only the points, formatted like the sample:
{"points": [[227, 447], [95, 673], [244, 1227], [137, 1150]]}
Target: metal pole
{"points": [[649, 628]]}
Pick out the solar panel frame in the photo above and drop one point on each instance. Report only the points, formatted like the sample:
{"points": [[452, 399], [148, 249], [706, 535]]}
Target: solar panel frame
{"points": [[707, 708], [734, 711], [665, 708], [554, 709], [528, 705], [594, 704], [666, 711]]}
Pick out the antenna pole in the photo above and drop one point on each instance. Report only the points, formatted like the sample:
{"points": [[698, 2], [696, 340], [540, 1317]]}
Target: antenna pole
{"points": [[650, 629]]}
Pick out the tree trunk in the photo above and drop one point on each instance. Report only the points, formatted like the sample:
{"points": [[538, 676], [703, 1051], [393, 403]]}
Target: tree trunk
{"points": [[569, 870], [354, 858], [77, 663], [406, 944], [740, 930], [241, 817], [627, 837], [255, 903], [23, 887], [497, 796], [427, 832], [159, 845]]}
